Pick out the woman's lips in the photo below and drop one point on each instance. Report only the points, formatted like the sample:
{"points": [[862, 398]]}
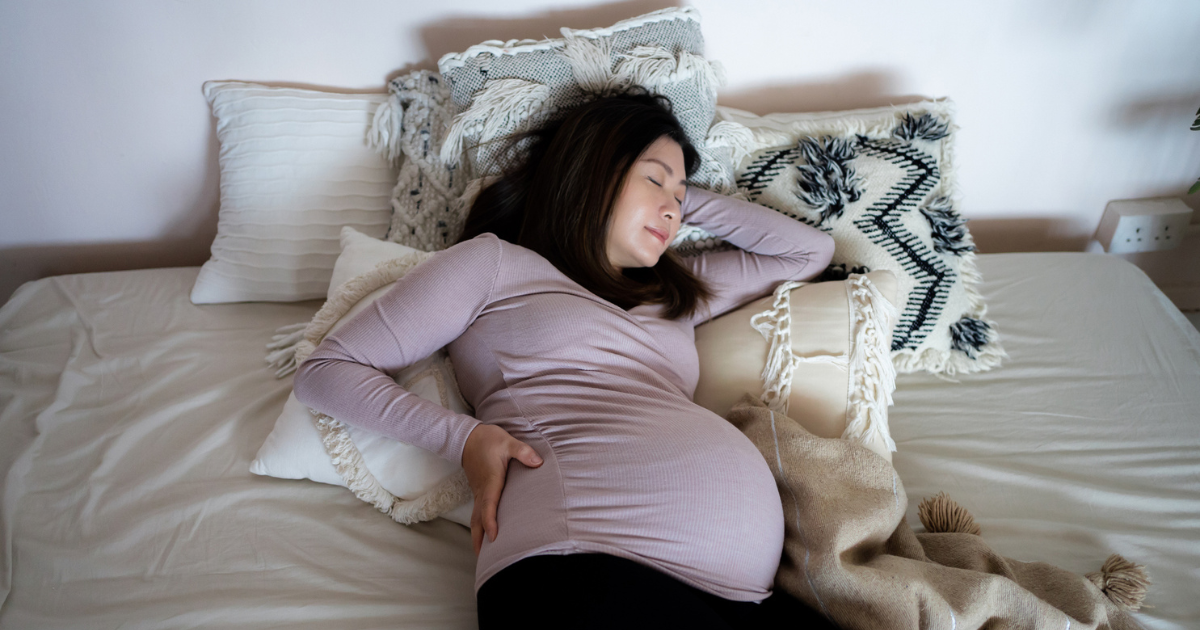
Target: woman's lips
{"points": [[659, 234]]}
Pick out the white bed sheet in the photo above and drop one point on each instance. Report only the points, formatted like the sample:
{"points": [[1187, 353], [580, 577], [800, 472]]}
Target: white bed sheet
{"points": [[133, 506], [129, 417], [1086, 441]]}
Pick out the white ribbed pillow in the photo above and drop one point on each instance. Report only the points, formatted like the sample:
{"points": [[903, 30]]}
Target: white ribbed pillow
{"points": [[295, 168]]}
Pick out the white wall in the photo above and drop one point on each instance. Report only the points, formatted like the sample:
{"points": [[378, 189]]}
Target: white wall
{"points": [[108, 155]]}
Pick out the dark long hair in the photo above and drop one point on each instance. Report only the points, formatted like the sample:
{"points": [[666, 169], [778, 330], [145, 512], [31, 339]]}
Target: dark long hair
{"points": [[556, 197]]}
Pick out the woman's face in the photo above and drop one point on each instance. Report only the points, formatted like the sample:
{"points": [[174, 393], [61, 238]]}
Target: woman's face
{"points": [[647, 212]]}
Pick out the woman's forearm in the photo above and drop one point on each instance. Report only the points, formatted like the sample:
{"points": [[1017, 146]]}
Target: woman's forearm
{"points": [[348, 375], [773, 248], [755, 228]]}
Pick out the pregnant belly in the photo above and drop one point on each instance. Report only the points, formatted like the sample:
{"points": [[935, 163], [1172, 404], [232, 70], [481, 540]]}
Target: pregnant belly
{"points": [[684, 492]]}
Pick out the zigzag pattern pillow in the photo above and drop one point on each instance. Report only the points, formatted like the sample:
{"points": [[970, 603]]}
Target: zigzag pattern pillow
{"points": [[881, 182]]}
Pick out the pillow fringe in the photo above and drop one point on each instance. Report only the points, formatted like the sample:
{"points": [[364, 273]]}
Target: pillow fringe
{"points": [[872, 374], [942, 363], [281, 353], [735, 137], [448, 494], [409, 129], [346, 296], [348, 461], [387, 128], [503, 106], [496, 48], [591, 62], [775, 325], [339, 445]]}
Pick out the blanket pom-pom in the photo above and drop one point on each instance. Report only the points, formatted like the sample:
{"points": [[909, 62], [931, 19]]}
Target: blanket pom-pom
{"points": [[942, 514], [1122, 581]]}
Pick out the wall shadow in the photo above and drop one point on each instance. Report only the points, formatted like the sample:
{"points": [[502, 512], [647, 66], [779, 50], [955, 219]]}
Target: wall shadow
{"points": [[1027, 234], [1176, 110], [457, 33], [185, 244], [188, 241], [853, 91], [19, 265]]}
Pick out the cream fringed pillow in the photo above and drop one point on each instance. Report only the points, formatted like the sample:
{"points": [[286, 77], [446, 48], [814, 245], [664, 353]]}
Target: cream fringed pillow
{"points": [[816, 352], [403, 481]]}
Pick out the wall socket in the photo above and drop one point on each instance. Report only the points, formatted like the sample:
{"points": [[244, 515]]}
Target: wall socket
{"points": [[1143, 225]]}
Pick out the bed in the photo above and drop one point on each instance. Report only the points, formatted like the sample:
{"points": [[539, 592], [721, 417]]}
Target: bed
{"points": [[1054, 396], [130, 416]]}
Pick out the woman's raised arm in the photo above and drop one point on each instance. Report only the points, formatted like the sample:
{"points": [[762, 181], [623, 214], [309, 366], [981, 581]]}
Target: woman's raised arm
{"points": [[773, 249], [347, 376]]}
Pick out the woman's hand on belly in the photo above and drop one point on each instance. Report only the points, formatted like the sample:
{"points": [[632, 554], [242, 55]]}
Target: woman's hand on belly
{"points": [[485, 460]]}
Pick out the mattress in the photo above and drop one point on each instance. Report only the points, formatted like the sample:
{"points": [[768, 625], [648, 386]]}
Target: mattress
{"points": [[129, 416]]}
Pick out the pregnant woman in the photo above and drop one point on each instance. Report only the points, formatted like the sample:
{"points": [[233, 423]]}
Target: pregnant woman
{"points": [[604, 497]]}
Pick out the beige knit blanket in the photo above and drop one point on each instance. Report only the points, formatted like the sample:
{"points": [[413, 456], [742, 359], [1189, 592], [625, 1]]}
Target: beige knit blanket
{"points": [[850, 554]]}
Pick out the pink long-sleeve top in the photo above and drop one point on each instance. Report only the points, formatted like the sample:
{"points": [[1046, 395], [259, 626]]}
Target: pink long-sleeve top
{"points": [[633, 467]]}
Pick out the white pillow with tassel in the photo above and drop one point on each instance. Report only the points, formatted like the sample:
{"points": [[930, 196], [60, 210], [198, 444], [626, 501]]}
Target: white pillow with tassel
{"points": [[405, 482]]}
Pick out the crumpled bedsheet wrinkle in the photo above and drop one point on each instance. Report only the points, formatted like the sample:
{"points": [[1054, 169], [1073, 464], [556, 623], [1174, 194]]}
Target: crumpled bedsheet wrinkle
{"points": [[35, 343], [137, 506]]}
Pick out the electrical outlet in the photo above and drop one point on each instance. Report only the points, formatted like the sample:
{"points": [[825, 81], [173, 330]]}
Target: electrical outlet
{"points": [[1143, 225]]}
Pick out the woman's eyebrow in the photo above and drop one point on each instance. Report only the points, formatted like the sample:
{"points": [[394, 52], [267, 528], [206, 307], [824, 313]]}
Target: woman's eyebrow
{"points": [[664, 165], [670, 172]]}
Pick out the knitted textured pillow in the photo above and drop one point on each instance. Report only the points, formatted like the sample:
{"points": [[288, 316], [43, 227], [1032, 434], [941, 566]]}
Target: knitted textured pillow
{"points": [[504, 87], [881, 182], [450, 128], [427, 206]]}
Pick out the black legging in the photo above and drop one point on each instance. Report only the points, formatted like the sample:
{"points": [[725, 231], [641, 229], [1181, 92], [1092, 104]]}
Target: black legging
{"points": [[595, 590]]}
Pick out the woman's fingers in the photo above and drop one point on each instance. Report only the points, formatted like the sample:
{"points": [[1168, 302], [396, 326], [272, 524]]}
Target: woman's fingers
{"points": [[490, 499], [486, 457], [476, 528], [525, 454]]}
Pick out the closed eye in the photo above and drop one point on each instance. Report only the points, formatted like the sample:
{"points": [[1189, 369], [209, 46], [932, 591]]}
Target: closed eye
{"points": [[656, 183]]}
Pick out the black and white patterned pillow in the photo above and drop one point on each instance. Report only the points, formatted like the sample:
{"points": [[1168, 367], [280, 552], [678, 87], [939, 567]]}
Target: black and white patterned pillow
{"points": [[445, 131], [499, 88], [881, 182]]}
